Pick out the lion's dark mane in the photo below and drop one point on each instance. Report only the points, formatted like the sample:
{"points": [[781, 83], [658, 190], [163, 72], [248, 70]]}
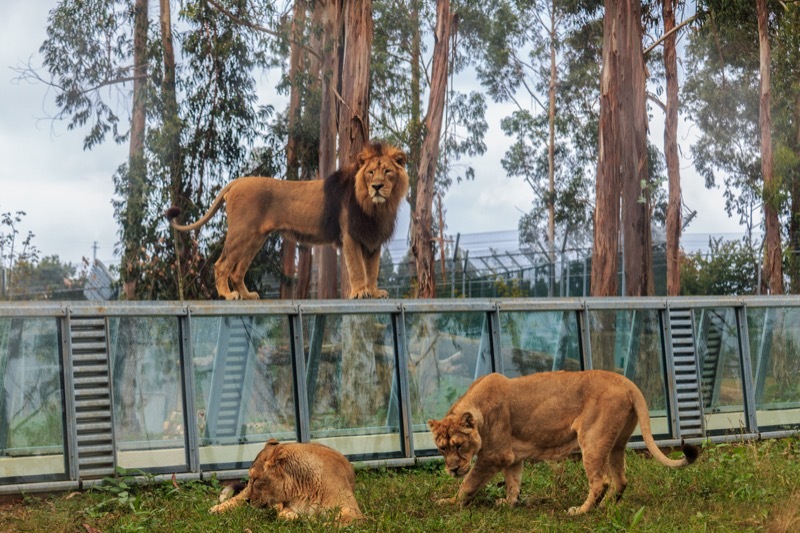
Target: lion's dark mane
{"points": [[339, 189]]}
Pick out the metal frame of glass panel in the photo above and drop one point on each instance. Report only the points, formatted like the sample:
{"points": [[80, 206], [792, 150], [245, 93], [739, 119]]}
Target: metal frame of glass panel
{"points": [[399, 414]]}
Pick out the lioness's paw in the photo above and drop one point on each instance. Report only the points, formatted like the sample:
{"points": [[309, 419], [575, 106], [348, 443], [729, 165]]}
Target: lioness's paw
{"points": [[215, 509], [380, 293], [233, 295], [573, 511], [446, 501], [505, 501]]}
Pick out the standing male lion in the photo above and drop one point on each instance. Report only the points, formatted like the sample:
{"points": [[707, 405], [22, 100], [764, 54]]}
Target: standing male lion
{"points": [[545, 417], [299, 479], [354, 208]]}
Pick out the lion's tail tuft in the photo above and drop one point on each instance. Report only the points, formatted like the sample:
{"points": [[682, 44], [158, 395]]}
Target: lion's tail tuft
{"points": [[690, 452], [172, 213]]}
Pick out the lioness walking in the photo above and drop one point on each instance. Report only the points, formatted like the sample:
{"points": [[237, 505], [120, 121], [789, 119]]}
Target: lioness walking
{"points": [[545, 417]]}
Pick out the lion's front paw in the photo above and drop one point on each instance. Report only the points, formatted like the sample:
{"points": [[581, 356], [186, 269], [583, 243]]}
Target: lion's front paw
{"points": [[500, 502], [573, 511], [233, 295], [360, 294], [216, 509], [446, 501], [380, 293]]}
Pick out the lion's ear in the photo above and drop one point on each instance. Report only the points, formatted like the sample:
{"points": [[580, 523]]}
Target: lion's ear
{"points": [[467, 420], [400, 159], [271, 442], [362, 157]]}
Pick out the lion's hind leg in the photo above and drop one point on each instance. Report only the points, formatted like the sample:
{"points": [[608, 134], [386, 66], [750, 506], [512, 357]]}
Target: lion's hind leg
{"points": [[222, 272], [247, 251], [596, 449]]}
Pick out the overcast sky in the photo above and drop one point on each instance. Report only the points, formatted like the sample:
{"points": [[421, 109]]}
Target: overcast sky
{"points": [[67, 192]]}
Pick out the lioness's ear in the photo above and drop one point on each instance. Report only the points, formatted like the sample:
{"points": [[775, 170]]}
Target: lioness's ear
{"points": [[271, 442], [400, 159], [467, 420]]}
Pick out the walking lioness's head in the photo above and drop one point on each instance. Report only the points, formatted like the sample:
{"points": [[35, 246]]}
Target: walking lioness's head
{"points": [[458, 440]]}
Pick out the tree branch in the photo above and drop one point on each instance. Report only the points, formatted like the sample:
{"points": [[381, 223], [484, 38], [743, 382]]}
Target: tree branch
{"points": [[262, 29], [673, 30]]}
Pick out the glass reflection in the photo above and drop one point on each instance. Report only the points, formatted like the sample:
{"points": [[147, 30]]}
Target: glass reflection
{"points": [[629, 342], [148, 406], [775, 350], [31, 415], [539, 342], [721, 371], [446, 352], [351, 384], [243, 386]]}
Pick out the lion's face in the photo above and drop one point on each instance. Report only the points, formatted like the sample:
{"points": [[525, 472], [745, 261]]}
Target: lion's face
{"points": [[381, 177], [458, 441]]}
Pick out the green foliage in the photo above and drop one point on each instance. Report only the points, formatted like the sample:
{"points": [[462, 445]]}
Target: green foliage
{"points": [[729, 268]]}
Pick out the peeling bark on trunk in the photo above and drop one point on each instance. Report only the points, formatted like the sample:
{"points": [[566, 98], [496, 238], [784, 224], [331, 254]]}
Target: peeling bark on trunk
{"points": [[632, 136], [671, 153], [422, 219], [772, 278], [354, 107], [606, 214], [328, 17]]}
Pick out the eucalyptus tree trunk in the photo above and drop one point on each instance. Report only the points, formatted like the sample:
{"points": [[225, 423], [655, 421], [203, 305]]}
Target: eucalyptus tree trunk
{"points": [[422, 217], [671, 152], [772, 278], [171, 122], [288, 246], [607, 183], [632, 139], [551, 152], [354, 107], [327, 17], [134, 201]]}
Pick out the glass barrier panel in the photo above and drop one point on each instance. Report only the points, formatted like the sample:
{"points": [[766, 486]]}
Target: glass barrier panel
{"points": [[629, 342], [720, 367], [244, 392], [539, 341], [351, 381], [31, 409], [148, 405], [446, 352], [775, 350]]}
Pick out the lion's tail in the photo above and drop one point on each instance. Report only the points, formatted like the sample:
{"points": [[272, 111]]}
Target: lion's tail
{"points": [[690, 452], [174, 211]]}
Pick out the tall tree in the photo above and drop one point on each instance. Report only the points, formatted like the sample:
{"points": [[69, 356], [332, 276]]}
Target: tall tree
{"points": [[422, 218], [674, 222], [772, 279]]}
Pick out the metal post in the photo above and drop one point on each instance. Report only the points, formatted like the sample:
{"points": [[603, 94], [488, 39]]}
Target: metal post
{"points": [[669, 369], [186, 354], [404, 400], [302, 416], [747, 369]]}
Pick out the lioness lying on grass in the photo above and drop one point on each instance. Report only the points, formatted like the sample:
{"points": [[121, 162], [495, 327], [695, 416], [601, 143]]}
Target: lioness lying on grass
{"points": [[299, 479], [545, 417]]}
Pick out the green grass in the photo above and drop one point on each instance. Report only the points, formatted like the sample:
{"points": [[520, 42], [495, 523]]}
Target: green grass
{"points": [[750, 487]]}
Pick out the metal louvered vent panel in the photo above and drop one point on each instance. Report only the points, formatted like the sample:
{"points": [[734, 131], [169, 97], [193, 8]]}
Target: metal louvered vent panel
{"points": [[91, 378], [229, 379], [687, 383]]}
